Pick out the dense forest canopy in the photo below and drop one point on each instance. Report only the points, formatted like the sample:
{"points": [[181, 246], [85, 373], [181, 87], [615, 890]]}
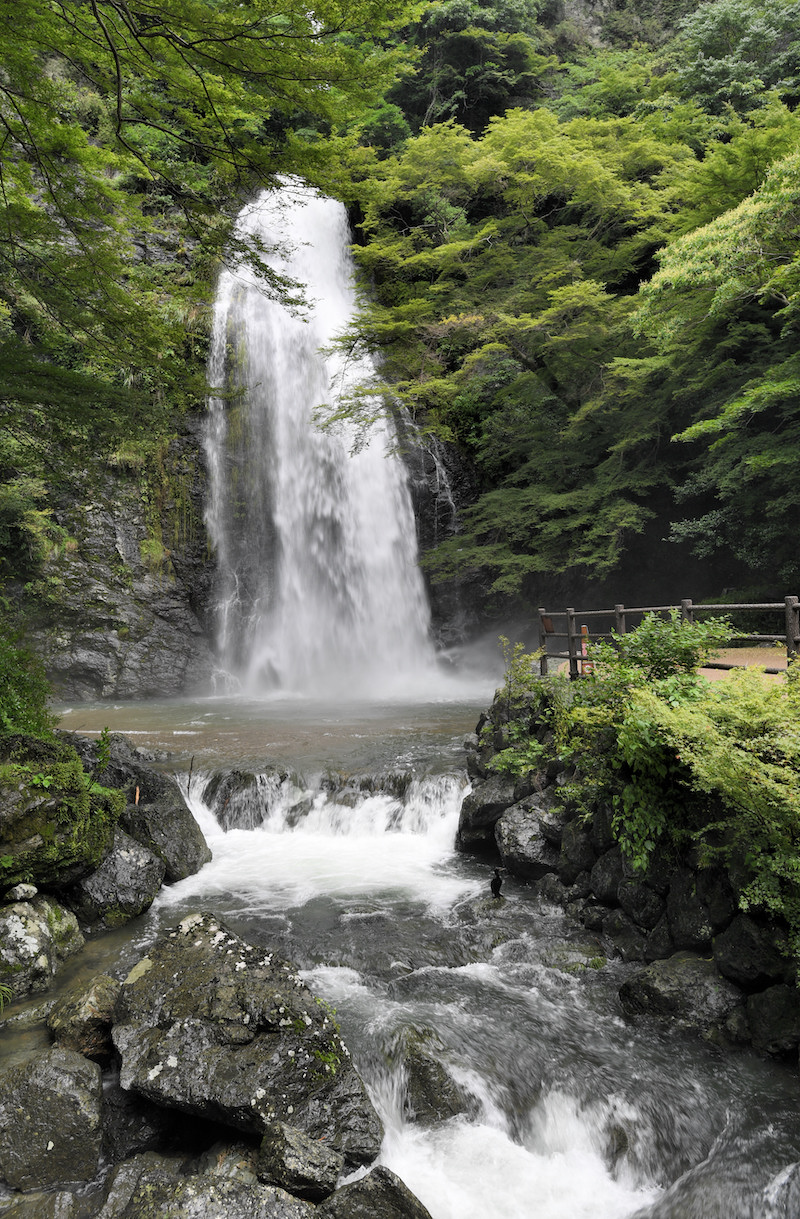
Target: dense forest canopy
{"points": [[577, 234]]}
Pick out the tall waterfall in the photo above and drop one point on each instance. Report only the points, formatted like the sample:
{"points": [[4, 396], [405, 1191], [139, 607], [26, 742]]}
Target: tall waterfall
{"points": [[319, 590]]}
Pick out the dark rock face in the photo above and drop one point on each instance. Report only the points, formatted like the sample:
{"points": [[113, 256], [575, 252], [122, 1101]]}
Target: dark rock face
{"points": [[607, 875], [641, 902], [522, 844], [218, 1028], [302, 1165], [748, 954], [50, 1120], [689, 920], [686, 989], [123, 887], [480, 812], [242, 800], [81, 1018], [774, 1019], [36, 937], [432, 1095], [577, 852], [132, 612], [379, 1195]]}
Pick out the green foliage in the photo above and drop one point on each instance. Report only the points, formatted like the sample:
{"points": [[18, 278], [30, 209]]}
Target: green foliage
{"points": [[733, 51], [6, 995], [24, 691], [714, 766]]}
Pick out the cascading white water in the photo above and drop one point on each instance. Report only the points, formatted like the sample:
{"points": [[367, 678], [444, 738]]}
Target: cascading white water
{"points": [[319, 589]]}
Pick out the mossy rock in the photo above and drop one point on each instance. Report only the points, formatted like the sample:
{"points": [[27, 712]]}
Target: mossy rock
{"points": [[55, 823]]}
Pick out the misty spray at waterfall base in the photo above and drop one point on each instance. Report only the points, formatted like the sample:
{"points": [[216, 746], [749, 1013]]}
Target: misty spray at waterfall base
{"points": [[319, 591]]}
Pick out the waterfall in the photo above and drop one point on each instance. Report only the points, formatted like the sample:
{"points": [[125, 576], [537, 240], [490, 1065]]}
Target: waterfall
{"points": [[319, 591]]}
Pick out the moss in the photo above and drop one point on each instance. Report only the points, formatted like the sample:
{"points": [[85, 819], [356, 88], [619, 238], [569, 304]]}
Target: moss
{"points": [[58, 823]]}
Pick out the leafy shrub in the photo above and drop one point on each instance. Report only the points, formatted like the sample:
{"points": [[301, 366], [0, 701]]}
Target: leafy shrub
{"points": [[24, 691]]}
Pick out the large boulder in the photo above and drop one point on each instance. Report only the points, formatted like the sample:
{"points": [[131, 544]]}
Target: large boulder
{"points": [[607, 875], [155, 814], [432, 1094], [480, 812], [685, 989], [209, 1024], [153, 1187], [36, 937], [773, 1016], [54, 825], [124, 885], [81, 1017], [379, 1195], [50, 1120], [524, 848], [750, 953]]}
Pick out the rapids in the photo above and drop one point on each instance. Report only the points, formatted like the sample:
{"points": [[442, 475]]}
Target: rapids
{"points": [[576, 1112]]}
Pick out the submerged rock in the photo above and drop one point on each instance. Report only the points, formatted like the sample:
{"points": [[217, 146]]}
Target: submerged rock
{"points": [[209, 1024], [50, 1120]]}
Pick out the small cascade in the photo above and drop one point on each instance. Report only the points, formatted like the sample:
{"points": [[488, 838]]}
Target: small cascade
{"points": [[367, 805], [319, 591]]}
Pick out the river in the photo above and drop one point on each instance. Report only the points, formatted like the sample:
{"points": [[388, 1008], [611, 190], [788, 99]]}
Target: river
{"points": [[574, 1111]]}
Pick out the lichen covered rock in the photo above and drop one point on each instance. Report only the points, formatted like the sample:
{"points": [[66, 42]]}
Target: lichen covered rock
{"points": [[214, 1026]]}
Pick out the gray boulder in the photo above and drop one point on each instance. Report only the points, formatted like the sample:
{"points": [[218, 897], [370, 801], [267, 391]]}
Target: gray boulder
{"points": [[522, 844], [686, 989], [773, 1016], [36, 937], [211, 1025], [301, 1165], [749, 953], [41, 1205], [123, 887], [81, 1018], [379, 1195], [50, 1120], [152, 1187], [480, 811]]}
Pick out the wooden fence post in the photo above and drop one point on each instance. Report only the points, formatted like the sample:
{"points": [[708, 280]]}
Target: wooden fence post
{"points": [[542, 642], [792, 626], [687, 610], [619, 612], [571, 645]]}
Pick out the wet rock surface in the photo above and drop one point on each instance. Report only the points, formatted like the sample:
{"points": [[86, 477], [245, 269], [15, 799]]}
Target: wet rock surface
{"points": [[50, 1121], [220, 1029]]}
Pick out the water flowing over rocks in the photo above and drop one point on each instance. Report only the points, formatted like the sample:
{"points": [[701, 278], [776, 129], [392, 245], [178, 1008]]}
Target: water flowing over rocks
{"points": [[236, 1097], [712, 969]]}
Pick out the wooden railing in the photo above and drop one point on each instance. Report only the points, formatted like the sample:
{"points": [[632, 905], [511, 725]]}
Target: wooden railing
{"points": [[578, 634]]}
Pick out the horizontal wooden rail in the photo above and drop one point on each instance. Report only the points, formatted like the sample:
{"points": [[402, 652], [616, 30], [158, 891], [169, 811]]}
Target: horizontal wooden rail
{"points": [[578, 637]]}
